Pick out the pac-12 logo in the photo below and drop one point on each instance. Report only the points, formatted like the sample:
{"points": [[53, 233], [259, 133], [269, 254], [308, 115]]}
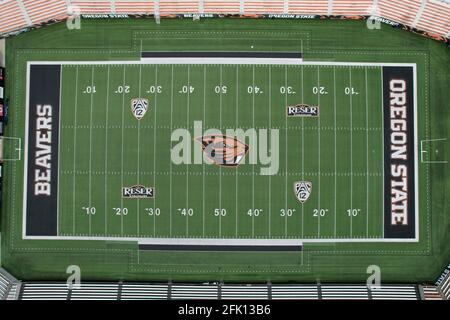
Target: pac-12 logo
{"points": [[302, 190], [302, 110], [139, 107], [138, 191]]}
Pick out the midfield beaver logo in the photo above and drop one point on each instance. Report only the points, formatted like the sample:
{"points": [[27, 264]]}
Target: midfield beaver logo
{"points": [[223, 150]]}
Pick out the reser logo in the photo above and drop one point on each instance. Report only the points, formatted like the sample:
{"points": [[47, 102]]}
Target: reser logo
{"points": [[138, 191]]}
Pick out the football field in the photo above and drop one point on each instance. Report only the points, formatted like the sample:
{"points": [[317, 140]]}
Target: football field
{"points": [[105, 147]]}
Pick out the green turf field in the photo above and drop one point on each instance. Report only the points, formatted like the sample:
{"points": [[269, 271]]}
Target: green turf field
{"points": [[104, 148], [113, 150]]}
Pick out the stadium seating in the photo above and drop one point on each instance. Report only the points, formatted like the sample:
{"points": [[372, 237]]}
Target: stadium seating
{"points": [[348, 7], [11, 17], [9, 286], [435, 18], [222, 6], [403, 11], [44, 10], [133, 7], [444, 287], [432, 16], [431, 293], [308, 7], [92, 7], [147, 291]]}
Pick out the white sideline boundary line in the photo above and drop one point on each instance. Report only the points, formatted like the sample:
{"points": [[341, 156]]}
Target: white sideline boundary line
{"points": [[226, 61], [206, 241]]}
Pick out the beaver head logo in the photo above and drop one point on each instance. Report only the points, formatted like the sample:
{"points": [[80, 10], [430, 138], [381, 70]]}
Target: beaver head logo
{"points": [[223, 150]]}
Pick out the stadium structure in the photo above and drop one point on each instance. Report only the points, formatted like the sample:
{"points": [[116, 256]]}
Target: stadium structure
{"points": [[235, 149]]}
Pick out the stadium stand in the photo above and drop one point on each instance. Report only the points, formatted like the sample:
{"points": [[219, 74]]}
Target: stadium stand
{"points": [[43, 10], [431, 16], [12, 289], [298, 292], [444, 287], [435, 18], [133, 7], [92, 7], [347, 7], [219, 6], [398, 11], [9, 286], [308, 7], [144, 291], [11, 17], [431, 293]]}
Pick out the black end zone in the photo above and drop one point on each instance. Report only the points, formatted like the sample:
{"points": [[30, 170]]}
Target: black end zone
{"points": [[399, 173], [234, 248], [206, 54], [42, 161]]}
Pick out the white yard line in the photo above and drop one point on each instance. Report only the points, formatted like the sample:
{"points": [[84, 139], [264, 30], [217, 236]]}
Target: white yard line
{"points": [[335, 153], [351, 153], [154, 149], [220, 168], [237, 169], [187, 166], [203, 162], [303, 155], [74, 151], [253, 166], [121, 160], [106, 153], [318, 148], [139, 154], [367, 156], [285, 154], [170, 162], [382, 146], [270, 125], [90, 152]]}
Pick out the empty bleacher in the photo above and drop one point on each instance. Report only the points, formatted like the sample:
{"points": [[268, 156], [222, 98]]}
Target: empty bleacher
{"points": [[347, 292], [222, 6], [403, 11], [435, 18], [431, 293], [144, 291], [11, 17], [9, 286], [444, 287], [348, 7], [92, 7], [297, 292], [395, 292], [264, 7], [44, 10], [308, 7], [147, 291], [432, 16], [133, 7]]}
